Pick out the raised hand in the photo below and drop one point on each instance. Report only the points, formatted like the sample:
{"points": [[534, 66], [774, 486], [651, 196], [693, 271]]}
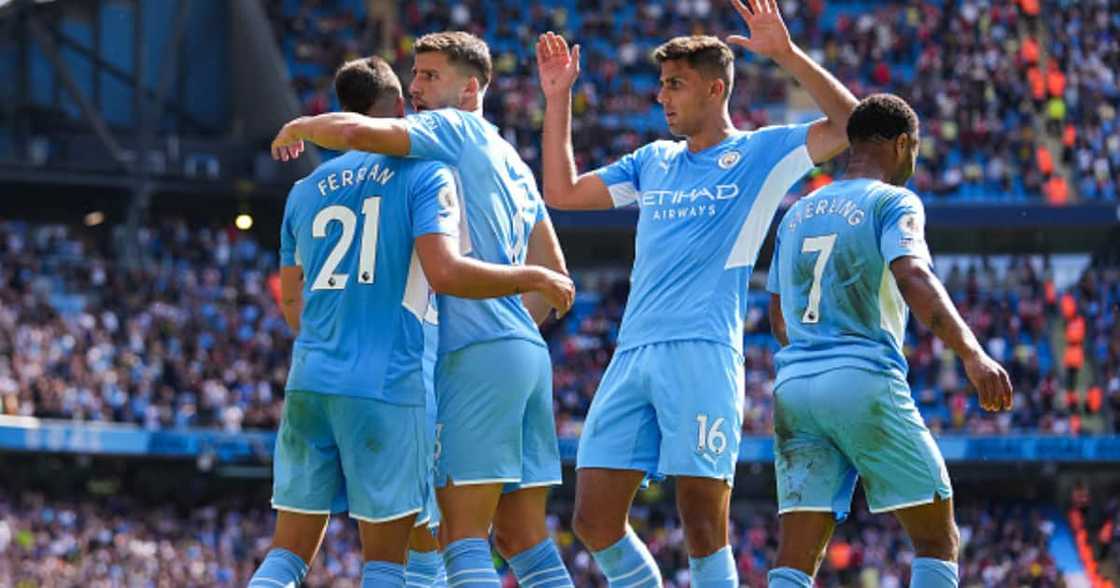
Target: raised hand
{"points": [[558, 67], [769, 35]]}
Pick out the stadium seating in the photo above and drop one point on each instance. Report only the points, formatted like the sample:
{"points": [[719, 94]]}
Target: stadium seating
{"points": [[124, 542], [193, 338], [1011, 103]]}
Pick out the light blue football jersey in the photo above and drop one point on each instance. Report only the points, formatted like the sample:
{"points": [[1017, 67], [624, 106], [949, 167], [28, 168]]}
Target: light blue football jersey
{"points": [[702, 220], [351, 225], [501, 206], [831, 266]]}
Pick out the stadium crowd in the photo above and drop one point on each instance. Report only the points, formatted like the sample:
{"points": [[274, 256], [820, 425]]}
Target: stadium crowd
{"points": [[121, 542], [1007, 98], [192, 337]]}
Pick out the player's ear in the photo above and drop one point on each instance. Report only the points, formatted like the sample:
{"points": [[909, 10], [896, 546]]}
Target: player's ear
{"points": [[399, 107], [718, 89], [471, 91]]}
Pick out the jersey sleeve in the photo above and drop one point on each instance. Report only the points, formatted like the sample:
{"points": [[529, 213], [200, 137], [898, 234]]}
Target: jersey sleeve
{"points": [[623, 177], [902, 225], [288, 254], [785, 146], [436, 134], [773, 284], [435, 202]]}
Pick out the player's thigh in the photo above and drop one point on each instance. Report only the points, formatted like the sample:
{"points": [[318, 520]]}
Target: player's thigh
{"points": [[812, 473], [300, 533], [519, 522], [621, 431], [540, 449], [386, 541], [482, 391], [384, 456], [603, 499], [307, 469], [697, 392], [932, 529], [874, 421], [802, 539]]}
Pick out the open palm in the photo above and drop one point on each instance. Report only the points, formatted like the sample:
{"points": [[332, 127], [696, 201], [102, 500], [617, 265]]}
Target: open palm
{"points": [[558, 67], [769, 35]]}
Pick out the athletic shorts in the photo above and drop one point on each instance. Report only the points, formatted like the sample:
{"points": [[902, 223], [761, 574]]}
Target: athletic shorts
{"points": [[338, 453], [668, 409], [494, 419], [833, 428]]}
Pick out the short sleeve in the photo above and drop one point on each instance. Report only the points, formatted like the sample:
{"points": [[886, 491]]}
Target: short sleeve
{"points": [[435, 201], [288, 254], [902, 224], [785, 144], [436, 134], [773, 281], [622, 177]]}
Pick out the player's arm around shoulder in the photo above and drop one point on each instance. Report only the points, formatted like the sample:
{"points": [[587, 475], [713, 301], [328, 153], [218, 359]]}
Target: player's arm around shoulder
{"points": [[564, 187], [342, 131]]}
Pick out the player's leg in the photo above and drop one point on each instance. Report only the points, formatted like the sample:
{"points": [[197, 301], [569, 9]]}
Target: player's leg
{"points": [[307, 477], [482, 391], [384, 550], [901, 467], [618, 450], [520, 526], [815, 482], [522, 538], [697, 390], [933, 531], [385, 458], [425, 564]]}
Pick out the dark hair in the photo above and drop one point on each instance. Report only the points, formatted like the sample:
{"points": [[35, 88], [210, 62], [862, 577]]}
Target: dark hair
{"points": [[366, 84], [881, 117], [463, 50], [704, 53]]}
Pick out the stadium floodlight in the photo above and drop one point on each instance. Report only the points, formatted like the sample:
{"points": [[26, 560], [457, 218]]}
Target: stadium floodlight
{"points": [[94, 218], [244, 221]]}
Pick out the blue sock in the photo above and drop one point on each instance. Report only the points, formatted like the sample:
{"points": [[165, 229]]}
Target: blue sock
{"points": [[279, 568], [382, 574], [629, 563], [468, 562], [540, 566], [927, 572], [714, 571], [788, 578], [425, 570]]}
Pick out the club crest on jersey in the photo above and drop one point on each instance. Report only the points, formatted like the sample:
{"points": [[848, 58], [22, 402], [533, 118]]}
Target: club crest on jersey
{"points": [[729, 159]]}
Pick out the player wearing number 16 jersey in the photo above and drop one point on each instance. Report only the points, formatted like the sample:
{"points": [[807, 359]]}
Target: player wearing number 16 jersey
{"points": [[848, 260], [361, 238], [670, 403]]}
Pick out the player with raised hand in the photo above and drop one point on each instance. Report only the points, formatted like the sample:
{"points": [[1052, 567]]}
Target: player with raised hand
{"points": [[369, 233], [497, 436], [849, 259], [670, 403]]}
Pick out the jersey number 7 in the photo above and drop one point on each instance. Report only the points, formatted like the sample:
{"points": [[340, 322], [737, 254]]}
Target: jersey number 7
{"points": [[823, 247]]}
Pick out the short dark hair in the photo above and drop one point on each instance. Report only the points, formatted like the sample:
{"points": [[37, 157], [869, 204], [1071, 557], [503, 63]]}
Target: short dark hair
{"points": [[881, 117], [704, 53], [366, 84], [463, 50]]}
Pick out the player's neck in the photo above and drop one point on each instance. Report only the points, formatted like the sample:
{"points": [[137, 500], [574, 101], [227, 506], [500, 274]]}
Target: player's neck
{"points": [[864, 166], [710, 136]]}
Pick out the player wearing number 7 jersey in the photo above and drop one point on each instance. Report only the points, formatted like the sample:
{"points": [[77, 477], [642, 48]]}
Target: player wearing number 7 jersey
{"points": [[848, 260], [361, 239]]}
